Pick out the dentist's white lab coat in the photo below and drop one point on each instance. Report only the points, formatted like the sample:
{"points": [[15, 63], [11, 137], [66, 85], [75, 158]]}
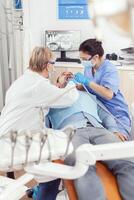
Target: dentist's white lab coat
{"points": [[24, 98]]}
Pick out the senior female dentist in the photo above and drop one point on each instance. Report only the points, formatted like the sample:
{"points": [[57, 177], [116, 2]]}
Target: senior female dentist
{"points": [[31, 91], [101, 78]]}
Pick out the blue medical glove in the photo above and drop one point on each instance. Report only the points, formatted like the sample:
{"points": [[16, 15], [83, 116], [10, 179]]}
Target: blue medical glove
{"points": [[73, 80], [80, 78]]}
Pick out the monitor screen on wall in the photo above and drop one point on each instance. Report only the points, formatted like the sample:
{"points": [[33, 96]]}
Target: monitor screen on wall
{"points": [[59, 40]]}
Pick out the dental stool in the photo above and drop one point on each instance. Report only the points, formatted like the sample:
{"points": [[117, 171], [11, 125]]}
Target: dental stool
{"points": [[57, 146]]}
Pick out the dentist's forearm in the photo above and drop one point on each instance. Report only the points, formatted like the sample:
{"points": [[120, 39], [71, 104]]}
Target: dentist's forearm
{"points": [[101, 90]]}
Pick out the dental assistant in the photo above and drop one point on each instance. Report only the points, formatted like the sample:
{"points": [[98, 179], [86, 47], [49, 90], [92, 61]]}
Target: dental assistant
{"points": [[31, 91], [101, 78]]}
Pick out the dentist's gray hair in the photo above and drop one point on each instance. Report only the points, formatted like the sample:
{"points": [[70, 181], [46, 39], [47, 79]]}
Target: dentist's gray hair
{"points": [[39, 59]]}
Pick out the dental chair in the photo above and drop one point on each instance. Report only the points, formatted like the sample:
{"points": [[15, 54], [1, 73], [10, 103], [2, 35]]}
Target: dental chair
{"points": [[108, 179], [34, 152]]}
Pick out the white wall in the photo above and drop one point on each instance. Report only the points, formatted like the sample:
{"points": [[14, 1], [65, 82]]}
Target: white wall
{"points": [[41, 15], [44, 16], [113, 38]]}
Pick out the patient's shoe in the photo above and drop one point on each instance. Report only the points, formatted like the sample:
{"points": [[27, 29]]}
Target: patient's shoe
{"points": [[32, 192]]}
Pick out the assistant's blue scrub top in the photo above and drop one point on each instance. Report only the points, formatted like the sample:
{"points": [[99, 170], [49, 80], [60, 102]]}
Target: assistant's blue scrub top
{"points": [[107, 76]]}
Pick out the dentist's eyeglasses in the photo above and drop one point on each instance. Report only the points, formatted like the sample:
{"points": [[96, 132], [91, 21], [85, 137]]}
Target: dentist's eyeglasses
{"points": [[51, 62], [83, 59]]}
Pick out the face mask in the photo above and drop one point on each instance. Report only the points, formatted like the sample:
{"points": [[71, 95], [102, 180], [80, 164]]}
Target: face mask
{"points": [[87, 63]]}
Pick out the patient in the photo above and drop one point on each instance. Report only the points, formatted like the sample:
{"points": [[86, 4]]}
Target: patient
{"points": [[88, 123]]}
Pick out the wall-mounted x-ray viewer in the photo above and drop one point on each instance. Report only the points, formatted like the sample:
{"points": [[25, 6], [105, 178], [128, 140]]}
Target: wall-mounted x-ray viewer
{"points": [[73, 9], [63, 41]]}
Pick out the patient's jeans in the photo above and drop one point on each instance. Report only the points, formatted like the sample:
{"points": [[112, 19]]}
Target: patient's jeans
{"points": [[48, 191], [89, 187]]}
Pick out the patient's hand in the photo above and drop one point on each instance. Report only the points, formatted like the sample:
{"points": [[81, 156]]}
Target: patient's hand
{"points": [[122, 136], [80, 87], [63, 79]]}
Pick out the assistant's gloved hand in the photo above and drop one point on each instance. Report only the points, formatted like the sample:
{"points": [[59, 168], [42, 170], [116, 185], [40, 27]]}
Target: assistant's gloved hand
{"points": [[74, 81], [80, 78]]}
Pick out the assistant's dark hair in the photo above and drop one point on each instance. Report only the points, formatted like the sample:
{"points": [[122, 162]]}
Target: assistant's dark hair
{"points": [[92, 47]]}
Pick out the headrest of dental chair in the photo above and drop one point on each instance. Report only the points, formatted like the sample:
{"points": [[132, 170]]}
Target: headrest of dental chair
{"points": [[19, 149]]}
